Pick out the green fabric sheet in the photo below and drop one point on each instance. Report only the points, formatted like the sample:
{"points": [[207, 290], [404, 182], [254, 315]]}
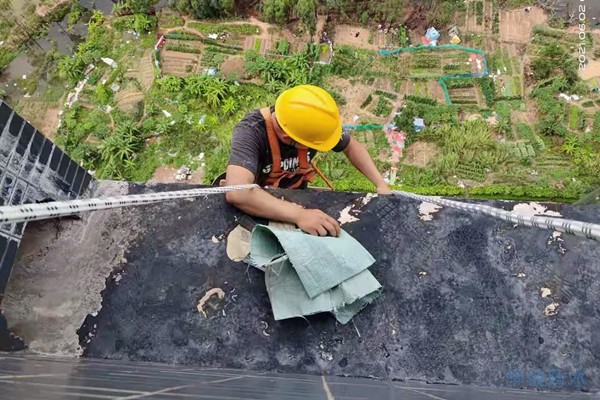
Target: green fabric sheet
{"points": [[307, 274]]}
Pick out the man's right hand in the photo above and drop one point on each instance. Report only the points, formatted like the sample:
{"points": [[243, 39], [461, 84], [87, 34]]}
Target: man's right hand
{"points": [[316, 222]]}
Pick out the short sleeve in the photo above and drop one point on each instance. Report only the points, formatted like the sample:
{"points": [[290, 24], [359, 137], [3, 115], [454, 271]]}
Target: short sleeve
{"points": [[343, 143], [245, 148]]}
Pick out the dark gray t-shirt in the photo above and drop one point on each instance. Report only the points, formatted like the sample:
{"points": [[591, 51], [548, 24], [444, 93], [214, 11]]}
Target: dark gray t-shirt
{"points": [[250, 149]]}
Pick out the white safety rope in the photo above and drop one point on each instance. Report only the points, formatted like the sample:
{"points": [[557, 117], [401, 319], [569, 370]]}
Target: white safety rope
{"points": [[33, 212], [585, 229]]}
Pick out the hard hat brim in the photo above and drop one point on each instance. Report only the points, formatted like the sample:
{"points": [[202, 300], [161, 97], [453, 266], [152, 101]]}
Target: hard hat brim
{"points": [[327, 145]]}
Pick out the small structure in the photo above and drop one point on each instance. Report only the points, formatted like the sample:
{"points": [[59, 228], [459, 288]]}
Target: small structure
{"points": [[432, 34], [418, 124]]}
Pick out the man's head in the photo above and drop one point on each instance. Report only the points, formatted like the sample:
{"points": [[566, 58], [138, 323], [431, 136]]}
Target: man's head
{"points": [[308, 116]]}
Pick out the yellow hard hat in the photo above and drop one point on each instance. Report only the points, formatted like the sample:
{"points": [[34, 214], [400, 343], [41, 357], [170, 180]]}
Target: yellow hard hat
{"points": [[309, 115]]}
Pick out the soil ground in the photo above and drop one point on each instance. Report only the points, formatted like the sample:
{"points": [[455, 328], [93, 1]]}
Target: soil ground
{"points": [[346, 34], [355, 95], [592, 70], [176, 63], [166, 174], [420, 154], [233, 65], [516, 25]]}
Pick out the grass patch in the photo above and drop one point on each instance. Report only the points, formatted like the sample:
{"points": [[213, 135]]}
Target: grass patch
{"points": [[182, 49], [587, 104], [242, 29], [170, 21]]}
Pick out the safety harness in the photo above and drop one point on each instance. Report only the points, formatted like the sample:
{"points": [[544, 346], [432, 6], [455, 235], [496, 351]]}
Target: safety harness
{"points": [[306, 171]]}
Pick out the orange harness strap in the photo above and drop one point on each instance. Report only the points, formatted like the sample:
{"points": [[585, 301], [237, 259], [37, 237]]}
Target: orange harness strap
{"points": [[306, 171]]}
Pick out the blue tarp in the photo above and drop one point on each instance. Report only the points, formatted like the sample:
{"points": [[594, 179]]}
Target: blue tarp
{"points": [[432, 34]]}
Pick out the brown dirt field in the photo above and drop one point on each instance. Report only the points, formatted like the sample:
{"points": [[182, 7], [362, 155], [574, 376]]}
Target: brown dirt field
{"points": [[471, 18], [436, 91], [526, 117], [420, 154], [592, 70], [128, 99], [174, 63], [49, 122], [144, 73], [354, 95], [516, 25], [345, 34], [233, 64], [166, 174]]}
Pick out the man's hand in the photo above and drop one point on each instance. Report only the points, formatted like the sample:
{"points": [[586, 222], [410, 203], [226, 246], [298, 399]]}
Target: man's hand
{"points": [[317, 223], [383, 189]]}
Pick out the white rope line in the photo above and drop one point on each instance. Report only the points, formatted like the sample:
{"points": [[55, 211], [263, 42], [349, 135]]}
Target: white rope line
{"points": [[34, 212], [584, 229]]}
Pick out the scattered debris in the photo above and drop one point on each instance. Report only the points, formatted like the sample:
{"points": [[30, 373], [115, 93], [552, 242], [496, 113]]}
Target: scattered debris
{"points": [[167, 114], [551, 309], [521, 275], [418, 124], [422, 274], [183, 174], [110, 62], [265, 327], [214, 291], [217, 239], [545, 292]]}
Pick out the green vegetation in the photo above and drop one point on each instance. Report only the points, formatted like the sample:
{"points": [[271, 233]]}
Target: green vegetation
{"points": [[389, 95], [169, 21], [587, 104], [242, 29], [367, 101], [479, 12], [383, 107], [182, 48]]}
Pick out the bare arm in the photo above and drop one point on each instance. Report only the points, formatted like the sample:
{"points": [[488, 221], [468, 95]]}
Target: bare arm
{"points": [[259, 203], [361, 159]]}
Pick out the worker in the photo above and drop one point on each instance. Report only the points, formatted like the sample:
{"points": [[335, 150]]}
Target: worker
{"points": [[274, 147]]}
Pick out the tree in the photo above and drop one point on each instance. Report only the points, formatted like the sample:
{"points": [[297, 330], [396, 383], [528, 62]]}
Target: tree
{"points": [[139, 6], [205, 9], [276, 11], [142, 23], [307, 11]]}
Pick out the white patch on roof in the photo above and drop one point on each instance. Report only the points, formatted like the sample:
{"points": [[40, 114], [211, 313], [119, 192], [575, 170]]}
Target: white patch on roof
{"points": [[426, 211], [532, 209]]}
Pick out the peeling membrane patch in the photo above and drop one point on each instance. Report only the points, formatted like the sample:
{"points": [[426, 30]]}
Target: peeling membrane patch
{"points": [[355, 208], [207, 302], [532, 209], [426, 211], [238, 243]]}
